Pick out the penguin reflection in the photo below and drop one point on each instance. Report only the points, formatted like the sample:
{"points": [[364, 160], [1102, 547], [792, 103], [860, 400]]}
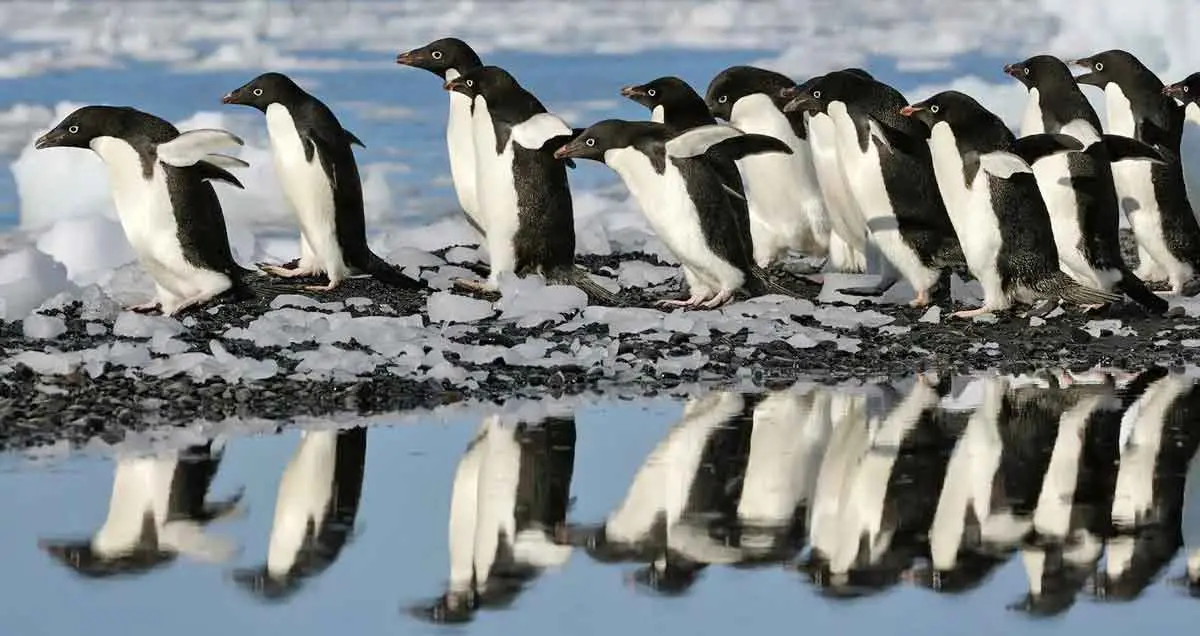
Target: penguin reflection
{"points": [[157, 510], [1147, 512], [508, 505], [315, 510]]}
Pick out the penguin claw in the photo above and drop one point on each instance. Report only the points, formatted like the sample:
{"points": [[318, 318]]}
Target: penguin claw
{"points": [[721, 298], [330, 286], [971, 313]]}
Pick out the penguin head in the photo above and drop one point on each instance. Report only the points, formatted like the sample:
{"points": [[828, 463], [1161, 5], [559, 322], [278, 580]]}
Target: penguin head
{"points": [[489, 82], [1186, 90], [1111, 66], [844, 86], [960, 111], [602, 136], [667, 92], [794, 93], [1040, 71], [264, 90], [736, 82], [79, 128], [445, 58]]}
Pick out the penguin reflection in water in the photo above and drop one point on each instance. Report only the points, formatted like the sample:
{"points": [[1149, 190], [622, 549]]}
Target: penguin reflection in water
{"points": [[315, 165], [508, 504], [522, 189], [168, 209], [679, 184], [995, 205], [158, 510], [315, 510]]}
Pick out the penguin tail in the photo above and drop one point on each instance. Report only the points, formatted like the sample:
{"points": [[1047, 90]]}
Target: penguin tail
{"points": [[389, 274], [758, 283], [579, 278], [1061, 285], [1136, 289]]}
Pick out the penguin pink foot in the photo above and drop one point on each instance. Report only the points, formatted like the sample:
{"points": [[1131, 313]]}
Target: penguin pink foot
{"points": [[921, 300], [283, 272], [721, 298], [693, 301], [330, 286], [971, 313]]}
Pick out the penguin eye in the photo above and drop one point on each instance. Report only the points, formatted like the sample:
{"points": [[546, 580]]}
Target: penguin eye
{"points": [[591, 141], [73, 129], [722, 99], [258, 92], [437, 55], [817, 94], [470, 83], [1185, 89], [652, 92], [1027, 70], [934, 109], [1099, 66]]}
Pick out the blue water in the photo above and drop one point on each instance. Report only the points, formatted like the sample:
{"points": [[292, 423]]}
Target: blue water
{"points": [[396, 561]]}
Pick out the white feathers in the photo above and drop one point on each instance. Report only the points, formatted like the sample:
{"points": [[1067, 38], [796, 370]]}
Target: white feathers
{"points": [[305, 494], [496, 191], [1003, 165], [698, 140], [534, 132], [460, 144], [199, 145], [1191, 113], [1083, 131]]}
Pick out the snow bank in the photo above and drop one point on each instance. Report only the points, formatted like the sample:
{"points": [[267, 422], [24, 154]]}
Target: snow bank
{"points": [[27, 278]]}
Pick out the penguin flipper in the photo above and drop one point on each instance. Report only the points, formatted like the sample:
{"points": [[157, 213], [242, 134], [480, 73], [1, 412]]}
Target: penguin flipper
{"points": [[1042, 145], [1121, 148], [213, 172], [225, 161], [535, 132], [352, 139], [195, 145], [697, 141], [1003, 165], [749, 144]]}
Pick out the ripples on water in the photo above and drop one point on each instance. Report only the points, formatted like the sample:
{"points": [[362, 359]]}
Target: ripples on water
{"points": [[854, 490]]}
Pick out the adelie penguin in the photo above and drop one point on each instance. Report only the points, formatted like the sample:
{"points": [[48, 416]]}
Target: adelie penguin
{"points": [[890, 173], [683, 197], [995, 204], [786, 208], [160, 188], [1153, 195], [315, 165], [1185, 91], [449, 58], [1078, 187], [522, 188]]}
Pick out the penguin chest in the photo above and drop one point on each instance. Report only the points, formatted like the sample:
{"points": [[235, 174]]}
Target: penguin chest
{"points": [[844, 215], [781, 188], [460, 145], [978, 227], [862, 168], [143, 205], [664, 201], [304, 182], [496, 185]]}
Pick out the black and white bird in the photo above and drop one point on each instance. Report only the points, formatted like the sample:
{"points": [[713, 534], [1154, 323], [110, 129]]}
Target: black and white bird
{"points": [[315, 510], [684, 197], [1078, 187], [1187, 91], [890, 172], [158, 509], [786, 208], [995, 204], [315, 165], [169, 211], [1153, 195], [449, 58], [523, 191]]}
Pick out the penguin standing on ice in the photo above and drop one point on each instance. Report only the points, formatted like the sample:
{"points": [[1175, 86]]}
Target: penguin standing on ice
{"points": [[1078, 187], [683, 197], [522, 188], [158, 510], [170, 213], [889, 170], [786, 209], [449, 58], [1153, 195], [995, 204], [315, 164]]}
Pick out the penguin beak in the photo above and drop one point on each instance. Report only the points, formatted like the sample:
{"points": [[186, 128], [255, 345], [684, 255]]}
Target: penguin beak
{"points": [[632, 91], [1087, 78], [407, 59], [790, 92], [910, 110], [564, 152], [48, 140], [456, 84], [1173, 90], [229, 98], [1015, 70]]}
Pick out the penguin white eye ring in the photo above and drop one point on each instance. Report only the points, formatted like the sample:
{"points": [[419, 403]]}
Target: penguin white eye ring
{"points": [[652, 92], [722, 99], [437, 55], [258, 92], [591, 141], [1185, 89], [934, 109], [1027, 70], [73, 129], [817, 94], [470, 83], [1099, 66]]}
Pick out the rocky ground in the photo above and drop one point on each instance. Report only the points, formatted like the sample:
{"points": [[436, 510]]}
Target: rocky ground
{"points": [[47, 401]]}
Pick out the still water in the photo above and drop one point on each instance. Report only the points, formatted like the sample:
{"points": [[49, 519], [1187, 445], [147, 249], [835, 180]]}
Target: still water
{"points": [[982, 504]]}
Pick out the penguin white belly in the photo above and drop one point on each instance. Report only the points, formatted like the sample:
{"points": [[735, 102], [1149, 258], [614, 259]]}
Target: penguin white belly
{"points": [[687, 450], [844, 216], [978, 230], [147, 216], [831, 495], [864, 175], [464, 508], [1052, 515], [1053, 178], [1134, 495], [309, 192], [789, 436], [782, 189], [305, 493], [672, 216], [141, 487], [1191, 113], [1135, 189], [499, 474], [460, 144], [497, 193]]}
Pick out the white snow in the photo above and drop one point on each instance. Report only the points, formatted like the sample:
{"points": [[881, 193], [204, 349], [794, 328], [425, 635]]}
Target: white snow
{"points": [[37, 326], [27, 278], [134, 325], [448, 307]]}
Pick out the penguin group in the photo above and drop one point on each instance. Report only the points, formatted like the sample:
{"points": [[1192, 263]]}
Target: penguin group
{"points": [[840, 167]]}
